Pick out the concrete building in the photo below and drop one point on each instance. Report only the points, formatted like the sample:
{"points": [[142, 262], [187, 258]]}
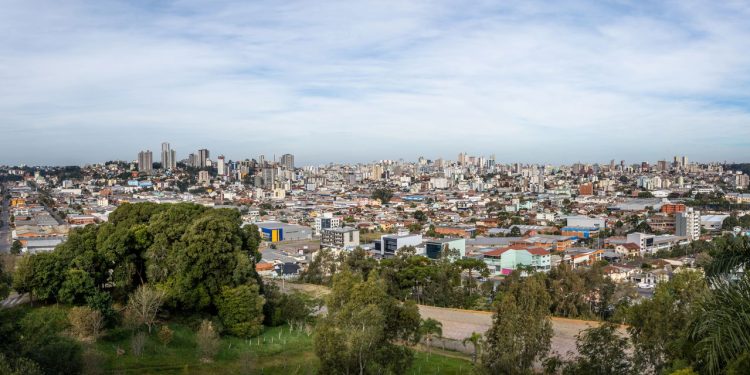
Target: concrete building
{"points": [[389, 244], [168, 157], [221, 166], [340, 238], [688, 224], [145, 161], [287, 160], [274, 231], [203, 156], [504, 260], [325, 221], [203, 177], [434, 248]]}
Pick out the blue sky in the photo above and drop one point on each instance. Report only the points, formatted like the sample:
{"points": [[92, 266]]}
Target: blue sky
{"points": [[88, 81]]}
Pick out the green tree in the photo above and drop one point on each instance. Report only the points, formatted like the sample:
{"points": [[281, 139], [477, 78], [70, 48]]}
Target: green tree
{"points": [[5, 281], [420, 216], [382, 194], [16, 247], [515, 231], [521, 330], [429, 329], [476, 340], [77, 287], [241, 310], [658, 326], [601, 351], [721, 328], [363, 328]]}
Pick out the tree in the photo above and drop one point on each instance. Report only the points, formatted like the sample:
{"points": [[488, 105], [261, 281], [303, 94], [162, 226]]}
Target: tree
{"points": [[363, 328], [515, 231], [658, 326], [420, 216], [241, 310], [86, 323], [5, 281], [143, 306], [601, 351], [208, 341], [429, 329], [382, 194], [77, 287], [521, 330], [721, 328], [16, 248], [476, 342]]}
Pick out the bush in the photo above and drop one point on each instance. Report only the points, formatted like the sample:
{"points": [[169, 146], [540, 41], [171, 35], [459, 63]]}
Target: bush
{"points": [[207, 340], [138, 342], [86, 323], [165, 335]]}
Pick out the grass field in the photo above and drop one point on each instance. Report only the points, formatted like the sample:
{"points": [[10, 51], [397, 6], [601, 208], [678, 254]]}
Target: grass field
{"points": [[277, 351]]}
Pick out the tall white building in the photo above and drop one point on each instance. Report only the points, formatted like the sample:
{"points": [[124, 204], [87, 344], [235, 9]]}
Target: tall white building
{"points": [[221, 166], [168, 157], [145, 161], [688, 224]]}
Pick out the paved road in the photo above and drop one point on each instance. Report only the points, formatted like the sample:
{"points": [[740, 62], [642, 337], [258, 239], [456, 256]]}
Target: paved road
{"points": [[5, 231], [459, 324], [14, 299]]}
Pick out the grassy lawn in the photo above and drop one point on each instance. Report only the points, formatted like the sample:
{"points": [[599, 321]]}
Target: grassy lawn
{"points": [[276, 351]]}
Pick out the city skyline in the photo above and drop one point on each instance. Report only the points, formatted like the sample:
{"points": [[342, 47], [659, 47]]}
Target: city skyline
{"points": [[364, 81]]}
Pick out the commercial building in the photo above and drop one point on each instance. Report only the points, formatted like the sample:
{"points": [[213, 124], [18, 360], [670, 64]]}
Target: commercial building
{"points": [[586, 189], [325, 221], [340, 238], [273, 231], [389, 244], [671, 208], [434, 248]]}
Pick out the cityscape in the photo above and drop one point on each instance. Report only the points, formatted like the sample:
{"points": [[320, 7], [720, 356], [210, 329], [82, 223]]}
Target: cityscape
{"points": [[375, 187]]}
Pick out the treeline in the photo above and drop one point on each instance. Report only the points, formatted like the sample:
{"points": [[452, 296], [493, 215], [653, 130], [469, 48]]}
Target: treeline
{"points": [[151, 261], [692, 324], [460, 283]]}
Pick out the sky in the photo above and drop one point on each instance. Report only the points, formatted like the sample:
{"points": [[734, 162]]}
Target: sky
{"points": [[357, 81]]}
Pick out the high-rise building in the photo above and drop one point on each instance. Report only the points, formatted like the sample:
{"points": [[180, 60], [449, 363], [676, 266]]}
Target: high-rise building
{"points": [[269, 177], [168, 157], [684, 162], [221, 166], [688, 224], [261, 160], [287, 160], [145, 161], [203, 155]]}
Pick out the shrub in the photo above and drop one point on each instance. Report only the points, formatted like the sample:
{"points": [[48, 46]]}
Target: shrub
{"points": [[85, 322], [207, 340]]}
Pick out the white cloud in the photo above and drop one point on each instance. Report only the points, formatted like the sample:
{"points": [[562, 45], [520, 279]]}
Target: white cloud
{"points": [[529, 81]]}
